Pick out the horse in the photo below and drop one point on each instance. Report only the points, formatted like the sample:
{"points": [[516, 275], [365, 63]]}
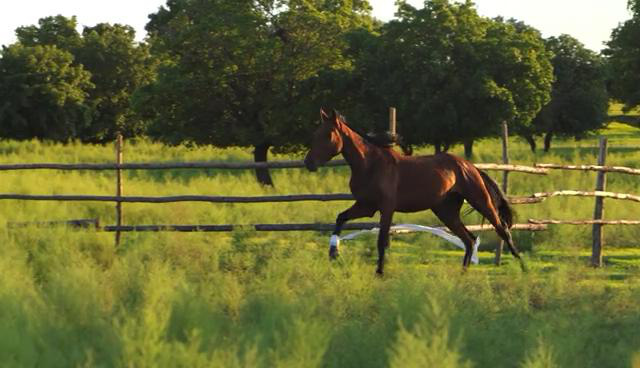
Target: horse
{"points": [[386, 181]]}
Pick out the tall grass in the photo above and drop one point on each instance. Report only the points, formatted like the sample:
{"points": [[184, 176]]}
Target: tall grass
{"points": [[70, 298]]}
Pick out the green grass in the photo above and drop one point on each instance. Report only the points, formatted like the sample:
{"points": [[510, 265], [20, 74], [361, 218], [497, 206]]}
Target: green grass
{"points": [[69, 298]]}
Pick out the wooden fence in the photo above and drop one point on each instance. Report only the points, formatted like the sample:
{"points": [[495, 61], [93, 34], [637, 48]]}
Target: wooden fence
{"points": [[119, 198]]}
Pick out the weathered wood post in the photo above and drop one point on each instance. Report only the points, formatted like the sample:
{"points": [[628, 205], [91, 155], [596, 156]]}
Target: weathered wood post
{"points": [[505, 181], [392, 121], [119, 186], [596, 249]]}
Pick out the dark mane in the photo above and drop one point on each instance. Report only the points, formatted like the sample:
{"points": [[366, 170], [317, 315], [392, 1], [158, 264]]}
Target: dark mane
{"points": [[382, 139]]}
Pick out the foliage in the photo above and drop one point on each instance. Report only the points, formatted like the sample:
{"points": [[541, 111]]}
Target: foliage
{"points": [[57, 30], [453, 75], [116, 63], [42, 93], [579, 100], [623, 53], [118, 67], [233, 73]]}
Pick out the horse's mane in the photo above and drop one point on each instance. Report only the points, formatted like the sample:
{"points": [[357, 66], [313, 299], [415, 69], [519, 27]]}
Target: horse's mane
{"points": [[381, 139]]}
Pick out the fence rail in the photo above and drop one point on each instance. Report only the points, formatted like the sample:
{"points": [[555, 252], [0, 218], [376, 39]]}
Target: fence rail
{"points": [[183, 198], [530, 199], [290, 227], [616, 169], [95, 223], [583, 222], [226, 166]]}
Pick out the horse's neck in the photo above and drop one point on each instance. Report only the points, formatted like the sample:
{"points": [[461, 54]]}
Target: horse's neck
{"points": [[354, 150]]}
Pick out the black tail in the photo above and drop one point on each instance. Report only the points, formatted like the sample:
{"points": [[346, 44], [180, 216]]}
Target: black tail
{"points": [[500, 201]]}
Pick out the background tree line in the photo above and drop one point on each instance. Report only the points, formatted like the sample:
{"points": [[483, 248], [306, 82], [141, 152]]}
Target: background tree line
{"points": [[253, 73]]}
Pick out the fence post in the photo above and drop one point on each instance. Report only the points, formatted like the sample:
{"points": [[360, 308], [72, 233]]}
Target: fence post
{"points": [[505, 181], [392, 121], [596, 249], [119, 186]]}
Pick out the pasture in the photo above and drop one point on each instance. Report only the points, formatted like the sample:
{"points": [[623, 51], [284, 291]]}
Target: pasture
{"points": [[69, 298]]}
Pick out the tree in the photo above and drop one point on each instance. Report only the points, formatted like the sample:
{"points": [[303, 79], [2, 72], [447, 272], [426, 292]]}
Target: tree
{"points": [[236, 73], [42, 94], [453, 75], [579, 100], [59, 31], [623, 53], [118, 66]]}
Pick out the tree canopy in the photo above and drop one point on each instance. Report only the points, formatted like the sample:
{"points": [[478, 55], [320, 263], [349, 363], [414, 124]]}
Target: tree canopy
{"points": [[234, 74], [116, 63], [453, 75], [623, 52], [42, 94], [579, 100]]}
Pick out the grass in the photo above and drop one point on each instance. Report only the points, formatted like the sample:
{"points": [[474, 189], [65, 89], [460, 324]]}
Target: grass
{"points": [[71, 299]]}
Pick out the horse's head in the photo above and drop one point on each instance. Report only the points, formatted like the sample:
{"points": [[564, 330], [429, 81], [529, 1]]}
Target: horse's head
{"points": [[327, 141]]}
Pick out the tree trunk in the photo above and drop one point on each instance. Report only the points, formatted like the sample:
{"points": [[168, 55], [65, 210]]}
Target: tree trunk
{"points": [[446, 147], [260, 155], [468, 148], [532, 142], [547, 141]]}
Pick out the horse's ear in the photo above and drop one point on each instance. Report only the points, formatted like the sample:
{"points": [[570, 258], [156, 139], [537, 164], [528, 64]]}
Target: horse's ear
{"points": [[323, 115]]}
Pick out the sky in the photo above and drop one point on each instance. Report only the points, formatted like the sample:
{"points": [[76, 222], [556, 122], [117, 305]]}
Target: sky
{"points": [[590, 21]]}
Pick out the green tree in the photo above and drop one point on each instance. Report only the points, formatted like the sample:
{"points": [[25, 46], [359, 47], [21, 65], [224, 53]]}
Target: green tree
{"points": [[42, 94], [623, 53], [118, 66], [453, 75], [236, 74], [579, 100], [59, 31]]}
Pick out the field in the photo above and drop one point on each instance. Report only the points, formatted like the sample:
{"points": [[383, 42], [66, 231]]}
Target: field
{"points": [[69, 298]]}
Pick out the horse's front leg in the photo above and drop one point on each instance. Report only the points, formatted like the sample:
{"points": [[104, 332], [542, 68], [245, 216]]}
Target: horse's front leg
{"points": [[386, 217], [358, 210]]}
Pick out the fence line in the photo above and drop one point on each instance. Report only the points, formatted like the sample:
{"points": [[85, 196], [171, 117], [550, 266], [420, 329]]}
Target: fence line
{"points": [[596, 193], [95, 224], [533, 225], [183, 198], [227, 166], [616, 169], [583, 222], [290, 227], [530, 199]]}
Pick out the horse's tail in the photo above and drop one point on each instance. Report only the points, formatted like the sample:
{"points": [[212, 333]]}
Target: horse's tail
{"points": [[500, 201]]}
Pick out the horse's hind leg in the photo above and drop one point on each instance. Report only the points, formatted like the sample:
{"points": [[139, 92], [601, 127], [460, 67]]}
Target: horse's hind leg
{"points": [[488, 211], [448, 212]]}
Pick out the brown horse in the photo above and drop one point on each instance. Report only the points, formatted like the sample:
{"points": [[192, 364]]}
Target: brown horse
{"points": [[387, 181]]}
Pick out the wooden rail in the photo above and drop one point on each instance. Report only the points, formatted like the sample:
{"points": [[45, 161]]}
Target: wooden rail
{"points": [[221, 165], [95, 224], [595, 193], [531, 199], [183, 198], [615, 169], [583, 222]]}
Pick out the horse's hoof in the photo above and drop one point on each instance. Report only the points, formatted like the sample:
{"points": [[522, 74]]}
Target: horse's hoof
{"points": [[333, 253], [379, 273]]}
